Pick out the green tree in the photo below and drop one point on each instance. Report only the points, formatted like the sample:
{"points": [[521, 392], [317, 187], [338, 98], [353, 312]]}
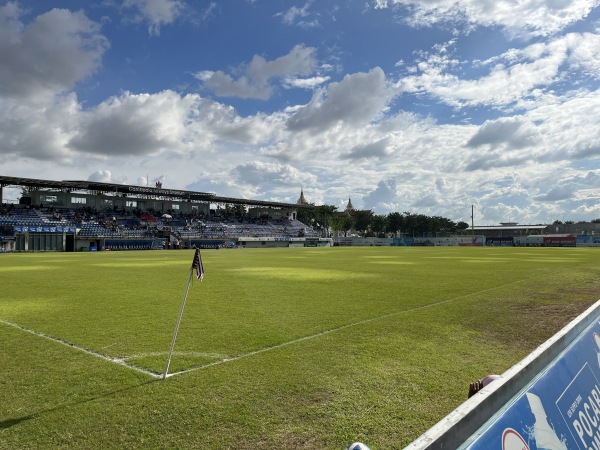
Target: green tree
{"points": [[442, 225], [462, 226], [410, 223], [347, 224], [363, 220], [395, 222], [379, 225], [337, 223], [325, 215], [423, 225], [306, 215]]}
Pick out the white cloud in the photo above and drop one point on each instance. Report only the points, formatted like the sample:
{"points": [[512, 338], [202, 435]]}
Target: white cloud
{"points": [[259, 173], [557, 194], [290, 16], [513, 76], [567, 127], [378, 149], [358, 98], [381, 4], [512, 133], [384, 194], [102, 176], [256, 179], [518, 18], [165, 123], [305, 83], [426, 201], [134, 125], [299, 16], [49, 55], [584, 52], [256, 81], [32, 131], [157, 12]]}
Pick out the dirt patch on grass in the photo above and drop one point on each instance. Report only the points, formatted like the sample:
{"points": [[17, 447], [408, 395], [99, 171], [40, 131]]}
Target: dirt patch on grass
{"points": [[549, 318], [525, 322], [318, 397]]}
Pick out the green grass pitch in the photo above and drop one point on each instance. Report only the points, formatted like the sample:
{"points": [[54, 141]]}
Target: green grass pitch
{"points": [[278, 348]]}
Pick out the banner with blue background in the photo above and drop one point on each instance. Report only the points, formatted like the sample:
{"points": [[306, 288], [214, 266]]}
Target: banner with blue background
{"points": [[558, 410]]}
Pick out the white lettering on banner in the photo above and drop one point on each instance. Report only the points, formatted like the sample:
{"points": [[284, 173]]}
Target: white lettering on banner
{"points": [[574, 406], [587, 419]]}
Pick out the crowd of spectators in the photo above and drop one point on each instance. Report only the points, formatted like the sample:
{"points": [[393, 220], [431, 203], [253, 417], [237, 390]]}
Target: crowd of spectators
{"points": [[135, 222]]}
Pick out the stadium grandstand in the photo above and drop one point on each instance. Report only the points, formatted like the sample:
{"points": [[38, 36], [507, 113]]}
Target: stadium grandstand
{"points": [[91, 216]]}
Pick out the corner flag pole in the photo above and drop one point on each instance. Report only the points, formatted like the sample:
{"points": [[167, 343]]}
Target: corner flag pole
{"points": [[196, 264]]}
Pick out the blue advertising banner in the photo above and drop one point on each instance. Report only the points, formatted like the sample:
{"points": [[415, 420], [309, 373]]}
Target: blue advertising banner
{"points": [[558, 410], [44, 229]]}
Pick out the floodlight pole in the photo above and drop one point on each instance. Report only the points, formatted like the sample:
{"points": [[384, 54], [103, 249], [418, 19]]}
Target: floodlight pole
{"points": [[473, 220], [187, 288]]}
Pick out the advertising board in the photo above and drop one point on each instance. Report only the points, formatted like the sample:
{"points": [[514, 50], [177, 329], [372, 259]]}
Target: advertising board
{"points": [[558, 410]]}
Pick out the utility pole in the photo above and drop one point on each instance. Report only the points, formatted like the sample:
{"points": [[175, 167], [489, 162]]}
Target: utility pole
{"points": [[472, 220]]}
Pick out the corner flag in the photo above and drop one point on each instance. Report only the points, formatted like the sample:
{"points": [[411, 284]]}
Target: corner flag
{"points": [[197, 264]]}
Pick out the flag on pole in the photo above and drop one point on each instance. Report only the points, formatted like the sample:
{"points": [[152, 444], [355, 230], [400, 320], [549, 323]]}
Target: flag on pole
{"points": [[197, 264]]}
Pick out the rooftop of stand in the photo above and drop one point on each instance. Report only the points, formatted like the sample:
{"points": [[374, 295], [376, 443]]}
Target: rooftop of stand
{"points": [[130, 190]]}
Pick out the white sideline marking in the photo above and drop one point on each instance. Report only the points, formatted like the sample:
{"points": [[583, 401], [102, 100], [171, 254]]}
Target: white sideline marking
{"points": [[295, 341], [122, 362], [341, 327]]}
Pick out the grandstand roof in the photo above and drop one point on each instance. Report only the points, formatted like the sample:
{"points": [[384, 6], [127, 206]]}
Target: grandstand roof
{"points": [[105, 188], [504, 227]]}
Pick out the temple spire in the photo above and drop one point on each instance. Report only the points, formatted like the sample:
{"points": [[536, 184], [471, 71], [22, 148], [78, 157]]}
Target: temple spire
{"points": [[302, 200], [349, 207]]}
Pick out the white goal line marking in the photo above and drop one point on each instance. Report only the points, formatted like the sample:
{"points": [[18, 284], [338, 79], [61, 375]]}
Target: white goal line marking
{"points": [[124, 363], [120, 361]]}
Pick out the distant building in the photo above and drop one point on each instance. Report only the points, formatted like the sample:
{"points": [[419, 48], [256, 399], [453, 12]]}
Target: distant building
{"points": [[507, 229]]}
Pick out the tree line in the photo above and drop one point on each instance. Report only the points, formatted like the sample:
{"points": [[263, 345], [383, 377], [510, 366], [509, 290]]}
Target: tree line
{"points": [[368, 224]]}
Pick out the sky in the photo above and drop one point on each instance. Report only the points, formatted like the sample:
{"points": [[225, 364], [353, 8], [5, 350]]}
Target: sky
{"points": [[435, 107]]}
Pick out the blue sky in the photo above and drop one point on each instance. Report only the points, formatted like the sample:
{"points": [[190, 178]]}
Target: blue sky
{"points": [[425, 106]]}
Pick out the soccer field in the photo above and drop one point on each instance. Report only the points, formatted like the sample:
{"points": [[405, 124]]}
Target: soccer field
{"points": [[277, 348]]}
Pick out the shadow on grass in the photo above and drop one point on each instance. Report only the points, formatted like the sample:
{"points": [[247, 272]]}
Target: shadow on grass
{"points": [[15, 421], [10, 422]]}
